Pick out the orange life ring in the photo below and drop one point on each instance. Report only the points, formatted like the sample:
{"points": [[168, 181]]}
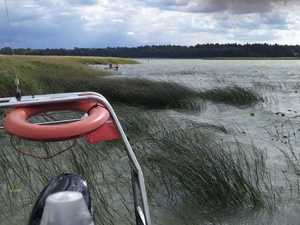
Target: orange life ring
{"points": [[16, 121]]}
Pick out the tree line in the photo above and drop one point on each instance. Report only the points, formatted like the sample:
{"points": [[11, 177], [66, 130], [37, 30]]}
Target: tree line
{"points": [[170, 51]]}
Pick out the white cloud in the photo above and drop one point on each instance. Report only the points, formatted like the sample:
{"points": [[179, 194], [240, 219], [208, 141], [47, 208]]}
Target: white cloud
{"points": [[101, 23]]}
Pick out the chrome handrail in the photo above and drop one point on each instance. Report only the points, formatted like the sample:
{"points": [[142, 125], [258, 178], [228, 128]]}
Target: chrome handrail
{"points": [[138, 183]]}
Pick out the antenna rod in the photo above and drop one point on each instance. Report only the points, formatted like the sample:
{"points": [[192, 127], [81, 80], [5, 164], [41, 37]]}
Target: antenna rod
{"points": [[18, 90]]}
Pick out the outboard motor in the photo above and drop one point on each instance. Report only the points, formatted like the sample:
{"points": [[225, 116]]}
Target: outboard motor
{"points": [[62, 196]]}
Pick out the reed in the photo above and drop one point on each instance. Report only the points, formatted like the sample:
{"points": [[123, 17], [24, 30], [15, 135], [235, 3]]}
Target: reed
{"points": [[40, 75], [235, 96], [53, 75], [183, 162], [212, 175]]}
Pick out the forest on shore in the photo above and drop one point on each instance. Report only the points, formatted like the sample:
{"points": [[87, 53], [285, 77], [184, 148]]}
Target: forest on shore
{"points": [[169, 51]]}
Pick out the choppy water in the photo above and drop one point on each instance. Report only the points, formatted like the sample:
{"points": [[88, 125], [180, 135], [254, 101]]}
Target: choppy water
{"points": [[275, 79], [278, 81], [273, 125]]}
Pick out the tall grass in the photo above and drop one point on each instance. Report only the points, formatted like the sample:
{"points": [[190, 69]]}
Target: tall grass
{"points": [[236, 96], [30, 69], [183, 163], [74, 59], [191, 164], [52, 75], [66, 74], [213, 175]]}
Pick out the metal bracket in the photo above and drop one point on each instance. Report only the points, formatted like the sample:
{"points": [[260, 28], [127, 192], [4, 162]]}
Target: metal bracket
{"points": [[138, 184]]}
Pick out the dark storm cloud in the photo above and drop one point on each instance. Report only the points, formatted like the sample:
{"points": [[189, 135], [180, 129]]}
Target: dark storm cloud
{"points": [[208, 6]]}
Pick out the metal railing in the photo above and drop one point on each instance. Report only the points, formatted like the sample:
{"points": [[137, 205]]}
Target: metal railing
{"points": [[141, 206]]}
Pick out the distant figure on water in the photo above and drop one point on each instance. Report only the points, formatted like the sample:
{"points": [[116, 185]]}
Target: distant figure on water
{"points": [[112, 66]]}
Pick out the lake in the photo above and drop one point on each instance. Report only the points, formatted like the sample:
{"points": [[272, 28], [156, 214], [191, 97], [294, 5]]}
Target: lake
{"points": [[272, 125]]}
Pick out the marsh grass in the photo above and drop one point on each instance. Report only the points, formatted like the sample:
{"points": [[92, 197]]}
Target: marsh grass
{"points": [[183, 164], [235, 96], [213, 177], [40, 75], [192, 164], [133, 92], [52, 75], [284, 136], [73, 59], [30, 70]]}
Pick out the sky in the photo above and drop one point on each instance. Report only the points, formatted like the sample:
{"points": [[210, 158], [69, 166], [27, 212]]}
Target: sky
{"points": [[112, 23]]}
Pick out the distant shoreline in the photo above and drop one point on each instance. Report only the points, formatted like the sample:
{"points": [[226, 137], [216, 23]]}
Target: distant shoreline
{"points": [[199, 51], [130, 60], [254, 58], [224, 58]]}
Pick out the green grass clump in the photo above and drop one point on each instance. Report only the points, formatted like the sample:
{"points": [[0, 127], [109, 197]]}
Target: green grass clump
{"points": [[186, 162], [133, 92], [73, 59], [100, 60], [194, 167], [150, 94], [31, 69], [40, 75], [235, 96]]}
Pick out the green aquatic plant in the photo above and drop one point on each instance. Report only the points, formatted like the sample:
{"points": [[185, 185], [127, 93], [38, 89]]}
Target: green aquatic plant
{"points": [[236, 96], [40, 75], [182, 161], [194, 167]]}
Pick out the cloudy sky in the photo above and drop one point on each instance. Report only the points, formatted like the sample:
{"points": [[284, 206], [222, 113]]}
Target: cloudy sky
{"points": [[102, 23]]}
